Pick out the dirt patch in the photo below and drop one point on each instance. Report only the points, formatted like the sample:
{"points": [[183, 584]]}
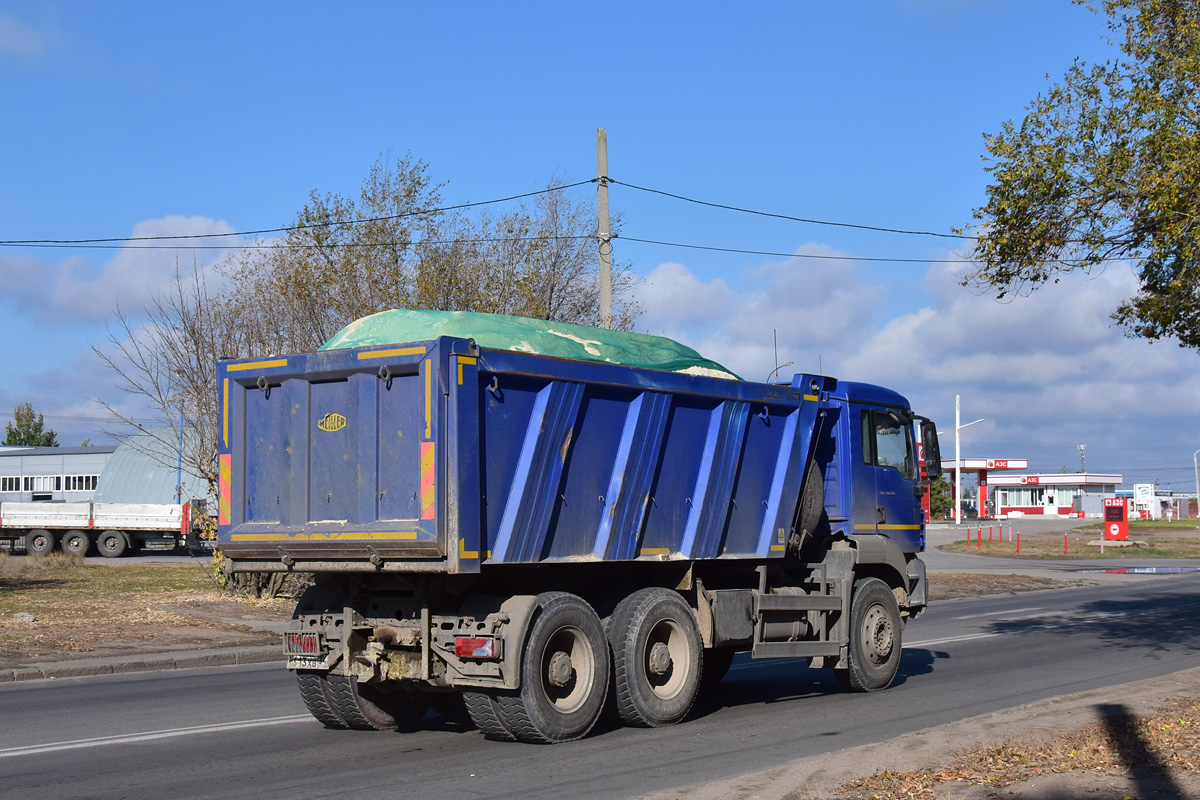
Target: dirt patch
{"points": [[59, 607], [955, 585], [1139, 740]]}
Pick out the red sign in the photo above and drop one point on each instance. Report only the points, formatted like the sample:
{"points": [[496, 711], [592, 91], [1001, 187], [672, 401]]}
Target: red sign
{"points": [[999, 463], [1116, 518], [1029, 479]]}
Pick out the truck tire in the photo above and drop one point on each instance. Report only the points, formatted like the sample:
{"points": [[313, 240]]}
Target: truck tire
{"points": [[564, 673], [485, 715], [39, 542], [366, 708], [812, 507], [656, 650], [714, 667], [76, 543], [875, 637], [111, 544], [314, 689]]}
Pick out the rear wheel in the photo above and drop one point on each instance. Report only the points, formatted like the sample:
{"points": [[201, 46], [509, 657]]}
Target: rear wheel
{"points": [[314, 689], [564, 673], [485, 715], [656, 657], [76, 543], [367, 708], [875, 638], [111, 544], [39, 542]]}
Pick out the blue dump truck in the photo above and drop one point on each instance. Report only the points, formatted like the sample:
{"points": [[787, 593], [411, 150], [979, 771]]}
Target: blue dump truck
{"points": [[542, 535]]}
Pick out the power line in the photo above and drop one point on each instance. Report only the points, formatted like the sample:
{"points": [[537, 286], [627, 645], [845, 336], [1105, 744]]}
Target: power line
{"points": [[391, 243], [289, 228], [792, 218], [794, 255]]}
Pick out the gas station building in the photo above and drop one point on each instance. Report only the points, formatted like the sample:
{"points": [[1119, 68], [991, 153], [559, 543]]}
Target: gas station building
{"points": [[1055, 494]]}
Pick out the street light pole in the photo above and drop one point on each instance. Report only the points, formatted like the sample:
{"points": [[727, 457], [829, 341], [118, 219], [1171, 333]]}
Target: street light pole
{"points": [[958, 461], [1197, 469]]}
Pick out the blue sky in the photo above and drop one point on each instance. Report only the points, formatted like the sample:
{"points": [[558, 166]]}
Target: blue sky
{"points": [[134, 118]]}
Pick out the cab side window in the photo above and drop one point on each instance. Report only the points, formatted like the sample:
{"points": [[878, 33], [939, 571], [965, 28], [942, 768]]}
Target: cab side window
{"points": [[888, 444]]}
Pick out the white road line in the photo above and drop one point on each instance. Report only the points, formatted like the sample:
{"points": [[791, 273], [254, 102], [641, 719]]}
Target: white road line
{"points": [[129, 738], [946, 640], [998, 613]]}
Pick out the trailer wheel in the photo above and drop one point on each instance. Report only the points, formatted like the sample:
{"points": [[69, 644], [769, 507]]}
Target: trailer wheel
{"points": [[314, 689], [76, 543], [656, 657], [366, 708], [111, 544], [485, 715], [875, 637], [564, 673], [39, 542]]}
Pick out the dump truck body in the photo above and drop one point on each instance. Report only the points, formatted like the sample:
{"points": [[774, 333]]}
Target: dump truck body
{"points": [[457, 502]]}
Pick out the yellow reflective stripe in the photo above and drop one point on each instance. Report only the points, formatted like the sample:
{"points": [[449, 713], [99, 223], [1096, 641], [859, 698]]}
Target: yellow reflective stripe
{"points": [[653, 551], [428, 398], [225, 413], [275, 362], [319, 537], [811, 397], [778, 548], [887, 527], [394, 351], [463, 552], [467, 359]]}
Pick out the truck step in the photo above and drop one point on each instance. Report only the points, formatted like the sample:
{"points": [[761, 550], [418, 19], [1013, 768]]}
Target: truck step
{"points": [[794, 649]]}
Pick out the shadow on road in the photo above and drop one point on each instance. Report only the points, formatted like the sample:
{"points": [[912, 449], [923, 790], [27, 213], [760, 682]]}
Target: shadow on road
{"points": [[1161, 623]]}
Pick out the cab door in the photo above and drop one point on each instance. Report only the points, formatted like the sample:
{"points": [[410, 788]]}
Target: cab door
{"points": [[887, 498]]}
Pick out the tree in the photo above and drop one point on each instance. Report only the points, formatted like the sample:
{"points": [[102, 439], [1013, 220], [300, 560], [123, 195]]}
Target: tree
{"points": [[1104, 167], [28, 429], [941, 497], [342, 259]]}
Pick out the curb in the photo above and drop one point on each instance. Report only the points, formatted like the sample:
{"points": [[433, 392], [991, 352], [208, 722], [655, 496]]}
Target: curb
{"points": [[148, 662]]}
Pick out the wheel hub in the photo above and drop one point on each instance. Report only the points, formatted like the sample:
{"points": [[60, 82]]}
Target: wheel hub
{"points": [[559, 672], [877, 635], [660, 658]]}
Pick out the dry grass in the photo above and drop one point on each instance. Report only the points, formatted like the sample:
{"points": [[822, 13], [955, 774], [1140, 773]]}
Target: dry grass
{"points": [[87, 608], [955, 585], [1164, 743], [1162, 540]]}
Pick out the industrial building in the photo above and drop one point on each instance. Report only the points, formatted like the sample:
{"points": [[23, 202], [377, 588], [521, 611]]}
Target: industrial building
{"points": [[65, 474]]}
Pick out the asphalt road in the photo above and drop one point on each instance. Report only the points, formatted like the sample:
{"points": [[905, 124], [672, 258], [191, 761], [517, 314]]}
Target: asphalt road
{"points": [[233, 732]]}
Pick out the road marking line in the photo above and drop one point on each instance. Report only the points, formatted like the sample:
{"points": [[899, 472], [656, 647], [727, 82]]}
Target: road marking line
{"points": [[128, 738], [997, 613], [946, 640]]}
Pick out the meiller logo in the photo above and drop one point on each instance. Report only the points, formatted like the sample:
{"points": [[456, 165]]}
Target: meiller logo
{"points": [[332, 422]]}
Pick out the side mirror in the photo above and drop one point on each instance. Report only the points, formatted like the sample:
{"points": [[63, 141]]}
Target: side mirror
{"points": [[933, 452]]}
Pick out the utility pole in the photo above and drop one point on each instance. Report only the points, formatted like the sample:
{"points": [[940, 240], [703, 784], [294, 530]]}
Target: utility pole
{"points": [[603, 239]]}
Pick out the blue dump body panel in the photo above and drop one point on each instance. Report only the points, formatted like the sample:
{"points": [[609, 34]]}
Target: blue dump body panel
{"points": [[443, 457]]}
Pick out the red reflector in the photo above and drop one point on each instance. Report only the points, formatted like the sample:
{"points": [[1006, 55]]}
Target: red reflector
{"points": [[301, 644], [483, 647]]}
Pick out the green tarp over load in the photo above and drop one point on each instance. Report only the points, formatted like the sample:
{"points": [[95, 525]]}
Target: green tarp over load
{"points": [[525, 335]]}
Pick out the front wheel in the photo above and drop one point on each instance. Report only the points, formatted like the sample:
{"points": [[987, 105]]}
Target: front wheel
{"points": [[875, 637], [564, 674]]}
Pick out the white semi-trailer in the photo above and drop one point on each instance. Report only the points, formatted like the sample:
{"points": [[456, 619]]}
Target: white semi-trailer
{"points": [[112, 528]]}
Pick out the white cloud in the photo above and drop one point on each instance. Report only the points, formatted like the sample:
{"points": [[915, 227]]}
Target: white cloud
{"points": [[18, 39], [78, 291], [1047, 371]]}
